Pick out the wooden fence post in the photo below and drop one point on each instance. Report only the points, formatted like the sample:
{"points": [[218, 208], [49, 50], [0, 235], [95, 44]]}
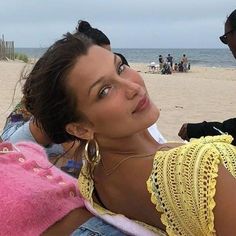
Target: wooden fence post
{"points": [[7, 50]]}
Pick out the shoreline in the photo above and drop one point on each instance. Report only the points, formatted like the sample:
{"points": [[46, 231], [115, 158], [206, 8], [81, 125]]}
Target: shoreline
{"points": [[223, 73], [203, 93]]}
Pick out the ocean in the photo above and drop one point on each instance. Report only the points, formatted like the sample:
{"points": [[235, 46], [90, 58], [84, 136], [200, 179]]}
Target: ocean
{"points": [[197, 57]]}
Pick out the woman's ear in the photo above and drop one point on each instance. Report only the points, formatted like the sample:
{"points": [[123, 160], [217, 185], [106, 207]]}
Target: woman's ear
{"points": [[80, 131]]}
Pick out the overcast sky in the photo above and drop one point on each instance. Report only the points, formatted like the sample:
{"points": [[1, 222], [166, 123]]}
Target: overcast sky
{"points": [[128, 23]]}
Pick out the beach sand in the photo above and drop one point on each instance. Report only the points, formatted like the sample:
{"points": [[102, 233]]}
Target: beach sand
{"points": [[203, 93], [10, 73]]}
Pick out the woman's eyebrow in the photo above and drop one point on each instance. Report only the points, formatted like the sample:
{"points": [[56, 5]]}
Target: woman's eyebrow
{"points": [[95, 84], [103, 77]]}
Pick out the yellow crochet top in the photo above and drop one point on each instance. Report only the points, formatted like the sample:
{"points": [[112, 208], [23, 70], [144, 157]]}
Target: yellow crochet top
{"points": [[182, 185]]}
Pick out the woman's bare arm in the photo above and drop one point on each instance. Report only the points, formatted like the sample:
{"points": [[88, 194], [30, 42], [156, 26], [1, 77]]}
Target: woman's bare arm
{"points": [[225, 198]]}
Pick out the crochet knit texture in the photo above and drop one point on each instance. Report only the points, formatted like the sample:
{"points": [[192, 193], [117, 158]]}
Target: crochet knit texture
{"points": [[182, 185]]}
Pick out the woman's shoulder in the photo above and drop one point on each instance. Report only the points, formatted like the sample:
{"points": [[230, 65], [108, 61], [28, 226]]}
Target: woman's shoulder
{"points": [[208, 141], [168, 146]]}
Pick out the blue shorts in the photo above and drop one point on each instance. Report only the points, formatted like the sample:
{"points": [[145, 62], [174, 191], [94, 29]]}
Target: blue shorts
{"points": [[97, 227]]}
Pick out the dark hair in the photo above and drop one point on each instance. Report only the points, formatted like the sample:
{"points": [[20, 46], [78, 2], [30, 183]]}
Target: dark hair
{"points": [[45, 91], [232, 19], [96, 35]]}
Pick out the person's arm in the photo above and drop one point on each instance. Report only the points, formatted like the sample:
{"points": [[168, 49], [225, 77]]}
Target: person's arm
{"points": [[38, 134], [225, 198], [29, 131], [197, 130], [203, 129], [229, 126], [69, 223]]}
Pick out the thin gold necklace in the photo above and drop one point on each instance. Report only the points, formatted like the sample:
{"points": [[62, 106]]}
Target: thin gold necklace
{"points": [[117, 165]]}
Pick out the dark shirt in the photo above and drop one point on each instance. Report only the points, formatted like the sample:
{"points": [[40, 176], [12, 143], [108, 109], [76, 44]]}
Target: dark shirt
{"points": [[160, 60], [170, 59], [198, 130]]}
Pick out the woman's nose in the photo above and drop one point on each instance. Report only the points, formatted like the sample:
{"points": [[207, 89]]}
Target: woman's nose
{"points": [[131, 89]]}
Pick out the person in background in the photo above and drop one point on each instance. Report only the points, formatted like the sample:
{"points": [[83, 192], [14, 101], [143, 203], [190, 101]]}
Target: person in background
{"points": [[176, 67], [161, 61], [184, 60], [98, 37], [180, 67], [20, 126], [166, 68], [170, 60], [229, 37], [196, 130], [97, 99], [189, 66]]}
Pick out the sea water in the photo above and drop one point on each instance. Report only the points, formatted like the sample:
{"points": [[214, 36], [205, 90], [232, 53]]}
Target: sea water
{"points": [[199, 57]]}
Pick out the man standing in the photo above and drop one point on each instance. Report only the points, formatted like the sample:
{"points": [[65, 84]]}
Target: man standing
{"points": [[160, 62], [170, 60], [185, 63]]}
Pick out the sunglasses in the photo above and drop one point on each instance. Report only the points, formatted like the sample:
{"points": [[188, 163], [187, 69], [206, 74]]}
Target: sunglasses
{"points": [[224, 38]]}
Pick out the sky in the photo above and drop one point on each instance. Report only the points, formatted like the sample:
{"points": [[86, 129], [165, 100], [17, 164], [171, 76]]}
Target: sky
{"points": [[127, 23]]}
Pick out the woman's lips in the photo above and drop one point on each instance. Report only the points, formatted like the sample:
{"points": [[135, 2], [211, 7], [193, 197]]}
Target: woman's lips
{"points": [[142, 104]]}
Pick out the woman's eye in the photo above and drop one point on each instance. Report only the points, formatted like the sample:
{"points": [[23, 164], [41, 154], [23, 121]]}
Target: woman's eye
{"points": [[103, 92], [121, 68]]}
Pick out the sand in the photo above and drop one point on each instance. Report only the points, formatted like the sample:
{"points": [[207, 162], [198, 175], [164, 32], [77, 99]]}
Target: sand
{"points": [[203, 93], [10, 87]]}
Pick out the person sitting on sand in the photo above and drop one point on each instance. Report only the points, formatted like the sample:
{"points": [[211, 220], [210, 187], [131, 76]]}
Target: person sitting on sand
{"points": [[180, 67], [93, 97], [153, 67], [175, 67], [197, 130]]}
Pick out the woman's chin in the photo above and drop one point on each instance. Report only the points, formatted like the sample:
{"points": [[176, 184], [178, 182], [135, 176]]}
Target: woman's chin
{"points": [[155, 113]]}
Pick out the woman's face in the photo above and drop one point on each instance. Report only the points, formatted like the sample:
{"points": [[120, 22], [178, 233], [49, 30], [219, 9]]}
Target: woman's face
{"points": [[112, 96], [231, 38]]}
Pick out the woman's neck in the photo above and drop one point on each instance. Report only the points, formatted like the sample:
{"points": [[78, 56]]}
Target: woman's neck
{"points": [[139, 143]]}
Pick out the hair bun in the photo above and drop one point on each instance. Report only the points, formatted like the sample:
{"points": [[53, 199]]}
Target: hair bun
{"points": [[83, 26]]}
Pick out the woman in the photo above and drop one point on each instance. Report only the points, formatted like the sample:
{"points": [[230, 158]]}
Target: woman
{"points": [[20, 125], [90, 95]]}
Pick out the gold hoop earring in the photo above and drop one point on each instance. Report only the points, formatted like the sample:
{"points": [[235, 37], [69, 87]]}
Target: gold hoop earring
{"points": [[91, 154]]}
